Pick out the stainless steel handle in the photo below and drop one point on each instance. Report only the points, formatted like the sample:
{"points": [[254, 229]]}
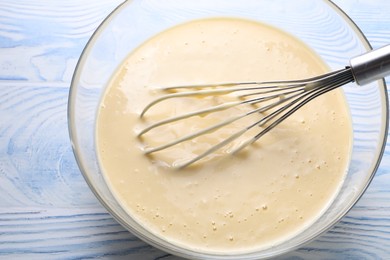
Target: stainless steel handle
{"points": [[371, 66]]}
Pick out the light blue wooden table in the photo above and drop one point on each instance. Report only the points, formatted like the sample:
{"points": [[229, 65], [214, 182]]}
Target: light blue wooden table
{"points": [[46, 209]]}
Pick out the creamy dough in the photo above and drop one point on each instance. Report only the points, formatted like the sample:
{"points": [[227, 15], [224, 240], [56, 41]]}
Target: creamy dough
{"points": [[260, 197]]}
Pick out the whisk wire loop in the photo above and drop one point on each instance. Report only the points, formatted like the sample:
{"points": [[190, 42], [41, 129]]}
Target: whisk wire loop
{"points": [[281, 99]]}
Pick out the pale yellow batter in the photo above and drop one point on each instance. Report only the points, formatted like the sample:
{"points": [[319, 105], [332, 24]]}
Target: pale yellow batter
{"points": [[267, 193]]}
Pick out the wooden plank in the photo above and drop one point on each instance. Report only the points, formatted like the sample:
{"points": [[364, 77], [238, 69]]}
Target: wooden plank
{"points": [[68, 233], [37, 165], [42, 40]]}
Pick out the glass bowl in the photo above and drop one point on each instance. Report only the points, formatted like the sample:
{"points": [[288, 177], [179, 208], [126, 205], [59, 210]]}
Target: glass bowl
{"points": [[320, 24]]}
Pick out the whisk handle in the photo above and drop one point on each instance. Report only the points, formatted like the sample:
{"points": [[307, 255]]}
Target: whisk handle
{"points": [[371, 66]]}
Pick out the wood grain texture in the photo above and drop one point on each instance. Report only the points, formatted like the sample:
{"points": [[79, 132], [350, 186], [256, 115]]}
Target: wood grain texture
{"points": [[37, 165], [46, 209], [42, 40], [67, 233]]}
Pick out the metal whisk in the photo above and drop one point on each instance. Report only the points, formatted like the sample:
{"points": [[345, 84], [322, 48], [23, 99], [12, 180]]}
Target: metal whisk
{"points": [[282, 98]]}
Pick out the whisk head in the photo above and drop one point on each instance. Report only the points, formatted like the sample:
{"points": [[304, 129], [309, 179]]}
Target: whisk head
{"points": [[266, 105]]}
